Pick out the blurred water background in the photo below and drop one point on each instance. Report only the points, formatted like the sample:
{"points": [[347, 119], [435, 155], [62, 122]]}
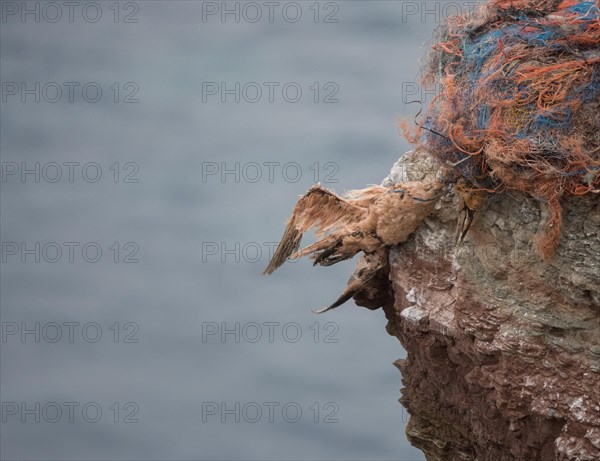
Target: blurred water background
{"points": [[200, 239]]}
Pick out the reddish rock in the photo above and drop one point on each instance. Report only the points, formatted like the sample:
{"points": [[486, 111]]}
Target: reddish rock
{"points": [[503, 349]]}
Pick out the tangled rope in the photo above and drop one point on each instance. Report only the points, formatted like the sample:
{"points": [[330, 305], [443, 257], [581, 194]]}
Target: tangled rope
{"points": [[519, 106]]}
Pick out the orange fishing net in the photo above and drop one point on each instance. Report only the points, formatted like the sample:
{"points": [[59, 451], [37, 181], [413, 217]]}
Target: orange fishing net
{"points": [[519, 106]]}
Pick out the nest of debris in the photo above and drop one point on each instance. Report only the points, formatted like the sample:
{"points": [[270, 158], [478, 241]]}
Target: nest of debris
{"points": [[519, 101]]}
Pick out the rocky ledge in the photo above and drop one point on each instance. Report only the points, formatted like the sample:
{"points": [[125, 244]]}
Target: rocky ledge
{"points": [[503, 348]]}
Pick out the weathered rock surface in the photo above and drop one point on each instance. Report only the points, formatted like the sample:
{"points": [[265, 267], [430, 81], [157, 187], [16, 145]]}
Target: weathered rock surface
{"points": [[503, 348]]}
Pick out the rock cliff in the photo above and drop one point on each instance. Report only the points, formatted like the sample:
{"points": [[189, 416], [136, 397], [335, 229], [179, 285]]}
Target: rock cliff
{"points": [[503, 349]]}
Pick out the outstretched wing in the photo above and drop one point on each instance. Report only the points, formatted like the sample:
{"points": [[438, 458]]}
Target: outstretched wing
{"points": [[318, 208]]}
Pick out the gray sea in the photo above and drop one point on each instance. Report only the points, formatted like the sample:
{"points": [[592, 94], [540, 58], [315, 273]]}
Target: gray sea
{"points": [[151, 152]]}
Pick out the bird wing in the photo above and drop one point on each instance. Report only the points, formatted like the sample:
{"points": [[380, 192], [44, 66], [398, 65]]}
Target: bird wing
{"points": [[321, 209]]}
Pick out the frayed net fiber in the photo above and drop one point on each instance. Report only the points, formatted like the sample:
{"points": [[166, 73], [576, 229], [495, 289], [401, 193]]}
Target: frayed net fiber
{"points": [[519, 101]]}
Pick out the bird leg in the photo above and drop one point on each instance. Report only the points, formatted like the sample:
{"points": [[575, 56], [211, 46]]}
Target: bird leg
{"points": [[469, 201], [328, 256], [465, 219], [339, 246]]}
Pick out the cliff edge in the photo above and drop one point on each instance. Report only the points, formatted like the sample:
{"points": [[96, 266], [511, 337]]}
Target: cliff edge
{"points": [[503, 348]]}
